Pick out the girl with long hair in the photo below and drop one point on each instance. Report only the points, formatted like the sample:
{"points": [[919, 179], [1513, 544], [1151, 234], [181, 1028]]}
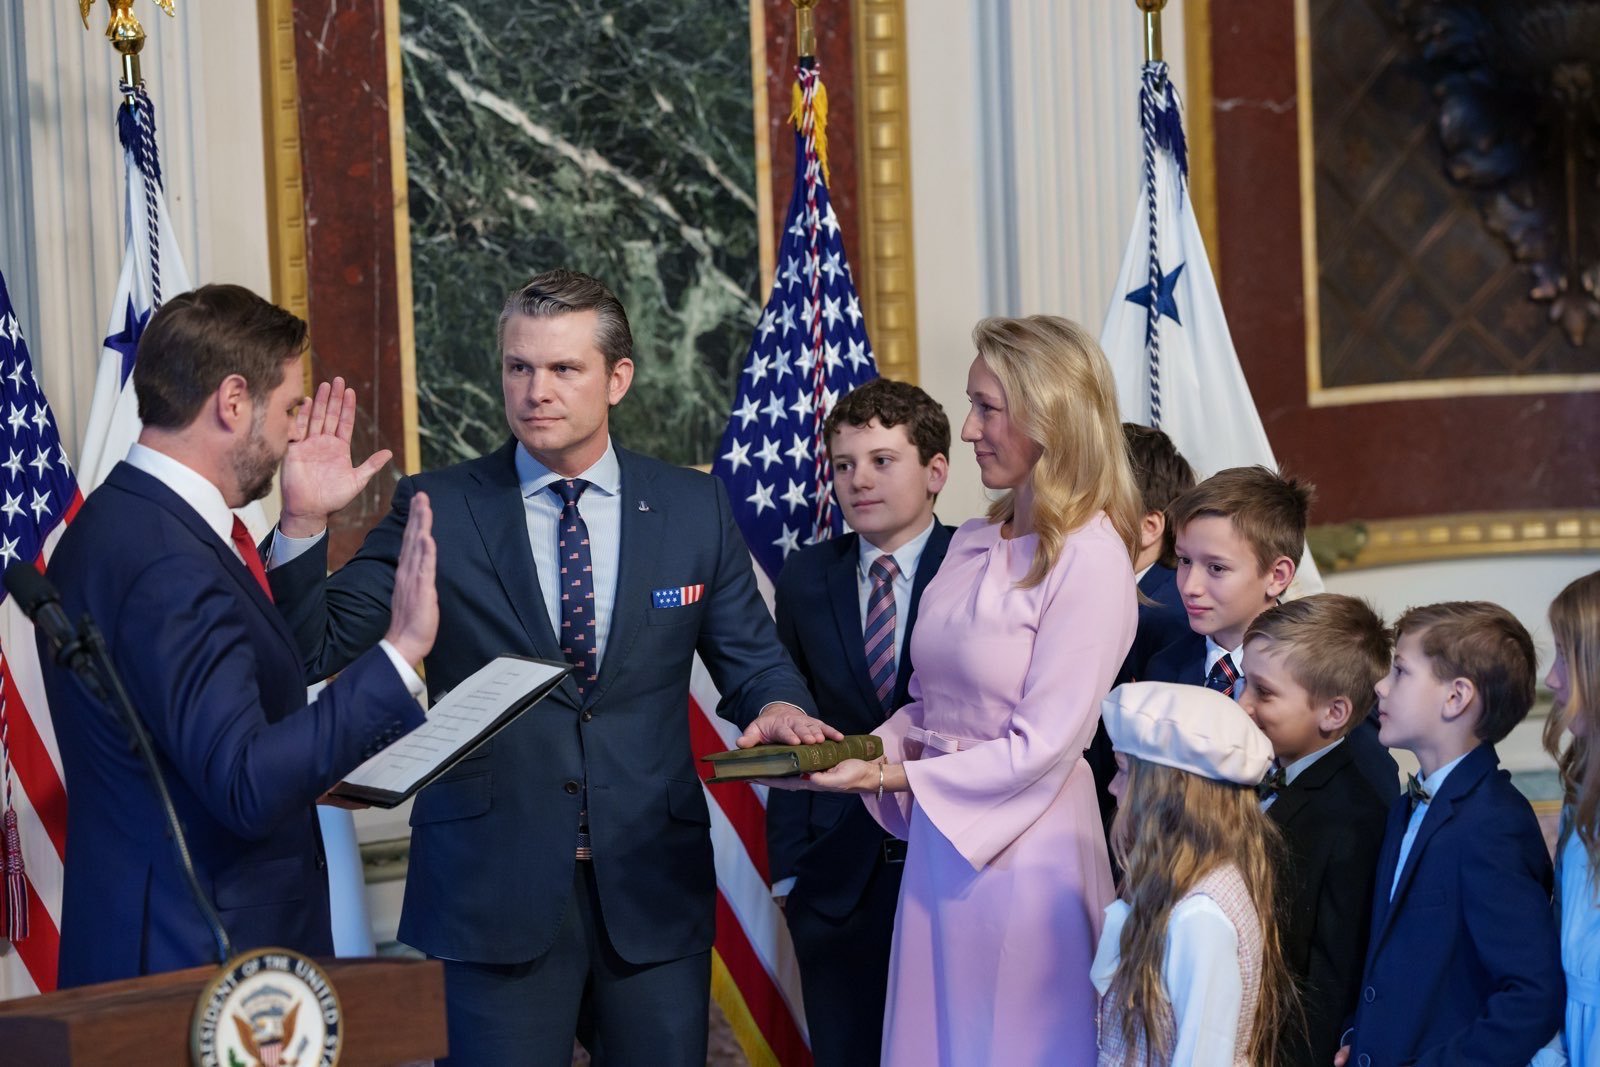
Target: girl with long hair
{"points": [[1190, 968], [1574, 681], [1018, 636]]}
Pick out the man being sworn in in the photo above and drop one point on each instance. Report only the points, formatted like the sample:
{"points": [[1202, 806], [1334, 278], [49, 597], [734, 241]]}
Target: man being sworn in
{"points": [[563, 871]]}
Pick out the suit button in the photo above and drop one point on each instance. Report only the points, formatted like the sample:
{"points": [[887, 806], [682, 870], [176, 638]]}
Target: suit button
{"points": [[587, 715], [1369, 994], [571, 788], [1364, 1061]]}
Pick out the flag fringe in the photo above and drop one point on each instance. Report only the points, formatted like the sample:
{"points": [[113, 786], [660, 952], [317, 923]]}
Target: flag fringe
{"points": [[796, 109], [725, 991], [16, 925]]}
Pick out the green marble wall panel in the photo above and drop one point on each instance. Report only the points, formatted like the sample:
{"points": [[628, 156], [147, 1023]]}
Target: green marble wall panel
{"points": [[610, 137]]}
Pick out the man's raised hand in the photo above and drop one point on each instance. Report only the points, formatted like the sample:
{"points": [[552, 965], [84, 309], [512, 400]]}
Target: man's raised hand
{"points": [[319, 477], [414, 606]]}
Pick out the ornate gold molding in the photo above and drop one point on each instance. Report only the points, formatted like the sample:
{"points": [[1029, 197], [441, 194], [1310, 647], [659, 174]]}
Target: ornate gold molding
{"points": [[406, 324], [280, 113], [888, 277], [1201, 121], [1387, 542]]}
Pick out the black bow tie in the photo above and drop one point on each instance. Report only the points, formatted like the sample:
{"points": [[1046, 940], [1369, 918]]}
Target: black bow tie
{"points": [[1272, 784], [1416, 792]]}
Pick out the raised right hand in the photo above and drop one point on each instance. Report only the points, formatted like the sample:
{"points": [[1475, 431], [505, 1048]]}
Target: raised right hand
{"points": [[319, 477], [414, 607]]}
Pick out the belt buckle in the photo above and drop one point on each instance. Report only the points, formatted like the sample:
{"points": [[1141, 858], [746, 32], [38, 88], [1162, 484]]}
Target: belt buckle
{"points": [[894, 851]]}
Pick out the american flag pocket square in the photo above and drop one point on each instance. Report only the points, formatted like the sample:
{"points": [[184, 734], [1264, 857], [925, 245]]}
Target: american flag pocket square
{"points": [[677, 597]]}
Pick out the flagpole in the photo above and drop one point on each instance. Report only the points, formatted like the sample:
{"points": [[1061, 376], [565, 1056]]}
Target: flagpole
{"points": [[1152, 28], [127, 36]]}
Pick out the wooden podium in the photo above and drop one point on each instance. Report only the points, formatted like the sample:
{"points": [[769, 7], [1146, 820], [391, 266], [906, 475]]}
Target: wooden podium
{"points": [[393, 1014]]}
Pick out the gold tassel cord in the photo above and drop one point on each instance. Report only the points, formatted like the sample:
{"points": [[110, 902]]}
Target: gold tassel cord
{"points": [[797, 106]]}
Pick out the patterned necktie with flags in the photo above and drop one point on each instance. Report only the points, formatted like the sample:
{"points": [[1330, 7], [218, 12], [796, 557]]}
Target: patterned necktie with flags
{"points": [[38, 497]]}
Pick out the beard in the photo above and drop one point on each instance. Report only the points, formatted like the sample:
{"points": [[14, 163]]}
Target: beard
{"points": [[254, 464]]}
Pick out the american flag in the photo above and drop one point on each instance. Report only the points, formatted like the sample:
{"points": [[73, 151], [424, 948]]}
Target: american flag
{"points": [[38, 497], [810, 347]]}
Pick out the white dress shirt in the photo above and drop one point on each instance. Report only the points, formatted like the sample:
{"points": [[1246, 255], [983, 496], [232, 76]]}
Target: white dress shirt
{"points": [[1200, 971], [906, 558], [1432, 783], [1235, 656]]}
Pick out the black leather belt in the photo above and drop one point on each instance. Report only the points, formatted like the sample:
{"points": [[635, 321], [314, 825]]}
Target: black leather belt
{"points": [[894, 850]]}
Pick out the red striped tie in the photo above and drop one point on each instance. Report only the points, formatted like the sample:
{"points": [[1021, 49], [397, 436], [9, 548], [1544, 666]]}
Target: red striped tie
{"points": [[879, 629]]}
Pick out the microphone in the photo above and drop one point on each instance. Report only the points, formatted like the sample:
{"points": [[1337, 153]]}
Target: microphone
{"points": [[83, 651], [41, 603]]}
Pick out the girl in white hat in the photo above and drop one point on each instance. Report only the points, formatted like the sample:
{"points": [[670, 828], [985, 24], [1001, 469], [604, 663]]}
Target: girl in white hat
{"points": [[1189, 968]]}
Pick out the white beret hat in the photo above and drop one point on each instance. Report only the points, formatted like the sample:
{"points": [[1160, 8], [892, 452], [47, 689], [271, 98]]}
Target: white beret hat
{"points": [[1189, 727]]}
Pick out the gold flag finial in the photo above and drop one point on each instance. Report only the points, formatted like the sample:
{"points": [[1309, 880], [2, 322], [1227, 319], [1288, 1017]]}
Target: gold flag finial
{"points": [[805, 29], [1152, 28], [125, 33]]}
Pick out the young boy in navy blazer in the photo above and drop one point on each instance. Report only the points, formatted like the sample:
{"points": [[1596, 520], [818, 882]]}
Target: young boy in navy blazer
{"points": [[1239, 536], [1463, 965], [832, 864], [1310, 666], [1162, 474]]}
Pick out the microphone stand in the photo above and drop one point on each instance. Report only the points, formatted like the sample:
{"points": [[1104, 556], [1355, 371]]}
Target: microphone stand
{"points": [[100, 677]]}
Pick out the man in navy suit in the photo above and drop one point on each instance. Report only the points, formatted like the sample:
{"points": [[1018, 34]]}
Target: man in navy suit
{"points": [[1463, 964], [175, 584], [838, 872], [564, 870]]}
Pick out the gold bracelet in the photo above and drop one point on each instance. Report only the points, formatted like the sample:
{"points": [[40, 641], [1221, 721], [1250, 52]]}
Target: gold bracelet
{"points": [[880, 783]]}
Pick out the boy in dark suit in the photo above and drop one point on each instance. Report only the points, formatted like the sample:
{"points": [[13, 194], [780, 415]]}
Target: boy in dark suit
{"points": [[1310, 667], [1238, 537], [1463, 964], [845, 610], [1162, 474]]}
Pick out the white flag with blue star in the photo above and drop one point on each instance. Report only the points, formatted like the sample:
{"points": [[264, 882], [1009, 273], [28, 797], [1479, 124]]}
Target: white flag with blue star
{"points": [[152, 268], [1165, 333]]}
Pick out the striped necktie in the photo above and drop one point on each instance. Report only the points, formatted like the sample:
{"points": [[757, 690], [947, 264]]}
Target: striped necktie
{"points": [[878, 630], [1222, 676]]}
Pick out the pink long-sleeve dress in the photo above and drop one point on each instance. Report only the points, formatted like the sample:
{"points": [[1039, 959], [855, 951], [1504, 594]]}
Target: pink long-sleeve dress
{"points": [[1006, 876]]}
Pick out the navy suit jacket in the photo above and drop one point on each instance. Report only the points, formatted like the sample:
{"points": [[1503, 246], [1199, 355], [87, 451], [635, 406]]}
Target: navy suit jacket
{"points": [[1160, 623], [491, 869], [214, 673], [1185, 661], [1332, 822], [828, 840], [1463, 967]]}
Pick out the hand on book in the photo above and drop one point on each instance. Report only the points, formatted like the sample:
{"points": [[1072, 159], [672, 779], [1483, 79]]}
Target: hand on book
{"points": [[785, 724]]}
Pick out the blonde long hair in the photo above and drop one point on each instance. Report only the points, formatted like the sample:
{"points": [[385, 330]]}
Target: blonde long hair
{"points": [[1575, 621], [1172, 829], [1061, 394]]}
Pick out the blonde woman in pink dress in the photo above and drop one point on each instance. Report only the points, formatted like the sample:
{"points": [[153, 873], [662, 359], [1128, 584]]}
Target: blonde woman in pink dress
{"points": [[1018, 637]]}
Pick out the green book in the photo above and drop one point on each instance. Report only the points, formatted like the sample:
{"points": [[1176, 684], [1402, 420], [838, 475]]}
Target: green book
{"points": [[786, 761]]}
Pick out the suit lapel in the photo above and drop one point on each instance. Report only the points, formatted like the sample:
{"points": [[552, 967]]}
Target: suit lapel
{"points": [[641, 534], [132, 479], [1292, 798], [1468, 773], [932, 556], [501, 517], [845, 598]]}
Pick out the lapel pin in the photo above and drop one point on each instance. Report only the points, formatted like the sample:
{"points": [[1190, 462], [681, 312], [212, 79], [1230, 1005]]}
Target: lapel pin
{"points": [[643, 506]]}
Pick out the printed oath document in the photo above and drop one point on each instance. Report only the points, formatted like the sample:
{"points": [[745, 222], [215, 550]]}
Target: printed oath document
{"points": [[463, 719], [786, 761]]}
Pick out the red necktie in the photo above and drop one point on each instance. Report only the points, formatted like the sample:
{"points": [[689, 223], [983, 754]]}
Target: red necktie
{"points": [[252, 556]]}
